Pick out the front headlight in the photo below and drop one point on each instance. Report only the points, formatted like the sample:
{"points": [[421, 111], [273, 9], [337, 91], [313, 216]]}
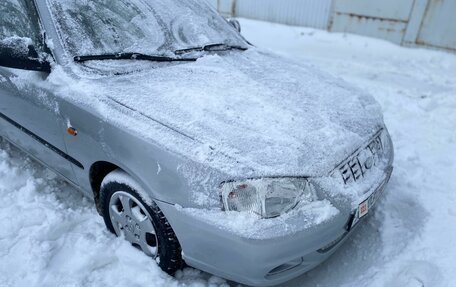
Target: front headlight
{"points": [[266, 197]]}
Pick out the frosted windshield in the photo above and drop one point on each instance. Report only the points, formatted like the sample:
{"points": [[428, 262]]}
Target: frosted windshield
{"points": [[93, 27], [17, 21]]}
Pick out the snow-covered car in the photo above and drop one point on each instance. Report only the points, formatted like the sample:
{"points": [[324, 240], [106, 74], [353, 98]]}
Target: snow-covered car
{"points": [[196, 146]]}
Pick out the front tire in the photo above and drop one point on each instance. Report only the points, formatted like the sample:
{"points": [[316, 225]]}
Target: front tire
{"points": [[127, 215]]}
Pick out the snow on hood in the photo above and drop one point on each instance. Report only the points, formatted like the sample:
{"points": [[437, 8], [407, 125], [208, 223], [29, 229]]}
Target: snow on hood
{"points": [[267, 113]]}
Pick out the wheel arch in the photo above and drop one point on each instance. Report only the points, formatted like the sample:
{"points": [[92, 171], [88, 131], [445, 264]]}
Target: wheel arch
{"points": [[98, 171]]}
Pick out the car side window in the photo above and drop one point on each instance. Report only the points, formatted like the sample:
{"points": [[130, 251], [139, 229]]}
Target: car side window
{"points": [[18, 19]]}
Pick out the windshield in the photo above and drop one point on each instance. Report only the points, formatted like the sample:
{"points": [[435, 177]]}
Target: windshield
{"points": [[17, 21], [153, 27]]}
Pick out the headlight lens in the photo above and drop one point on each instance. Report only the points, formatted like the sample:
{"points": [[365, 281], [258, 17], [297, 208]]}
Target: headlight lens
{"points": [[266, 197]]}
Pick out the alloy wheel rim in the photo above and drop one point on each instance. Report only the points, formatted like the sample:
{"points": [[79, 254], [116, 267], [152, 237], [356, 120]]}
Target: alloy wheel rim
{"points": [[131, 220]]}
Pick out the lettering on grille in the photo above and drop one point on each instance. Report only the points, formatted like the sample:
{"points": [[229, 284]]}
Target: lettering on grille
{"points": [[356, 166]]}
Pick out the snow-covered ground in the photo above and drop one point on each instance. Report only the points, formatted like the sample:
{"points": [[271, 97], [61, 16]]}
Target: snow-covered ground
{"points": [[51, 236]]}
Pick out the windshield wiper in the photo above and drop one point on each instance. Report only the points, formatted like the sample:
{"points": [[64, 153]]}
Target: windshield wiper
{"points": [[211, 47], [131, 56]]}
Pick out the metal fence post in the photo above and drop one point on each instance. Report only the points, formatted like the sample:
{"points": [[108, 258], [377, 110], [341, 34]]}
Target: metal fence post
{"points": [[233, 8]]}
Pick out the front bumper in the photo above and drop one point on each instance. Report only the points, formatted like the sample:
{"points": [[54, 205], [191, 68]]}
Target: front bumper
{"points": [[260, 261]]}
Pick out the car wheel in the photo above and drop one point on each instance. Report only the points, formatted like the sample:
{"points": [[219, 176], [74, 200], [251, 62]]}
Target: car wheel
{"points": [[127, 215]]}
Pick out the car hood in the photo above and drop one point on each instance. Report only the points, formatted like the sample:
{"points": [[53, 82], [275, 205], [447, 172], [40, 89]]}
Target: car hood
{"points": [[264, 113]]}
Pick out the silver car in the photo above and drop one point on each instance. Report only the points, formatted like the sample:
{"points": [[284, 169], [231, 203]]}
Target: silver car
{"points": [[197, 147]]}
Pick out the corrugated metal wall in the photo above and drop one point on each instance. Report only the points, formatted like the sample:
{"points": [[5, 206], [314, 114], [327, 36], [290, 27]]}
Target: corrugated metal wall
{"points": [[438, 28], [225, 7], [310, 13], [407, 22], [386, 19]]}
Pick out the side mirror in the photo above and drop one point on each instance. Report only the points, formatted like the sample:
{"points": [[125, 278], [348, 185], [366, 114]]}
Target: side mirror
{"points": [[19, 53], [235, 23]]}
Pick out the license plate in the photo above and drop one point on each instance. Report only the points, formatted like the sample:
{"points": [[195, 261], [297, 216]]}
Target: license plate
{"points": [[365, 206], [363, 209]]}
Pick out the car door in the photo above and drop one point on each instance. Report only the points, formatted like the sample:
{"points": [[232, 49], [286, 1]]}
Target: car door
{"points": [[29, 112]]}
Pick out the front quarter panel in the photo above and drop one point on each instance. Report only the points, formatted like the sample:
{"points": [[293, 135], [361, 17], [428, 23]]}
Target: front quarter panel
{"points": [[163, 173]]}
